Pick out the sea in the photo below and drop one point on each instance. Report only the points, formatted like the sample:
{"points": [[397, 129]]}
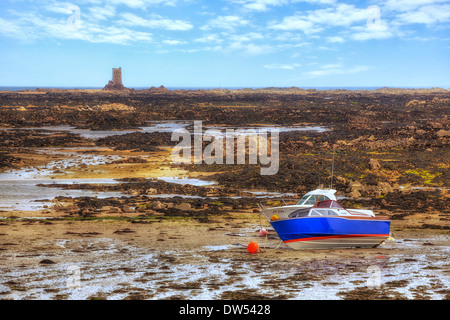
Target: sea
{"points": [[13, 88]]}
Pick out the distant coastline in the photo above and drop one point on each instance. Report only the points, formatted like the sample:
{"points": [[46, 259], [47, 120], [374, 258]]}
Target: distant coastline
{"points": [[21, 88]]}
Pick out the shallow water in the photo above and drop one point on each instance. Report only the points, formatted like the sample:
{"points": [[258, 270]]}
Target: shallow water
{"points": [[184, 180], [164, 126], [26, 195], [170, 126], [20, 190], [111, 269]]}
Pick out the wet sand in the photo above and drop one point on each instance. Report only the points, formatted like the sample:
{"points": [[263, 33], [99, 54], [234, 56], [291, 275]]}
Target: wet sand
{"points": [[148, 258]]}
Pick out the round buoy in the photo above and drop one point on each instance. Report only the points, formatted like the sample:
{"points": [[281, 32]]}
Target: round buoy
{"points": [[253, 247], [274, 217], [262, 232]]}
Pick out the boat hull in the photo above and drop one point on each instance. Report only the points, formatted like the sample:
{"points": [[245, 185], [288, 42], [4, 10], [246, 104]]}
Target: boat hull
{"points": [[332, 232]]}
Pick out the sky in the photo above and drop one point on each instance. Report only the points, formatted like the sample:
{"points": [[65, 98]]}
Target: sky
{"points": [[226, 43]]}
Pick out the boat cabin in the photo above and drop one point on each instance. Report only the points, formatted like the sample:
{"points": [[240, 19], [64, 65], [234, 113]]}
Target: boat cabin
{"points": [[323, 208]]}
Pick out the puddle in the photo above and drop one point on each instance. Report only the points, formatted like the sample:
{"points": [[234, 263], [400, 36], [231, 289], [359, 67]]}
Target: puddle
{"points": [[157, 126], [169, 126], [191, 181], [20, 189], [219, 247], [26, 195]]}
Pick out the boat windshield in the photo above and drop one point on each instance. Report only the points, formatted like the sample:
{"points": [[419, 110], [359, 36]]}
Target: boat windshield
{"points": [[299, 213], [311, 199]]}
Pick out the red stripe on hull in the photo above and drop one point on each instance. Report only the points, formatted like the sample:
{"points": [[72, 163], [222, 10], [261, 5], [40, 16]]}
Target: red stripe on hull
{"points": [[338, 236]]}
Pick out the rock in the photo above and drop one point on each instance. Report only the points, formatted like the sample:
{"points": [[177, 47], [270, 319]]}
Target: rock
{"points": [[356, 185], [341, 180], [384, 187], [183, 206], [127, 209], [355, 194], [436, 125], [47, 261], [115, 210], [374, 164], [443, 133], [157, 205], [151, 191]]}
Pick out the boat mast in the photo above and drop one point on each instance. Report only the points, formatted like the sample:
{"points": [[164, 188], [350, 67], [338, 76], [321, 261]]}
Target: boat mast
{"points": [[332, 169]]}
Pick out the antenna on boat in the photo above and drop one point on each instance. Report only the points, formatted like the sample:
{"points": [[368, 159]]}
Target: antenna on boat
{"points": [[332, 169]]}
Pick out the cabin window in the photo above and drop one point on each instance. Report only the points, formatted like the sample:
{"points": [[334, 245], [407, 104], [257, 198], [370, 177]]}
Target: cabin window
{"points": [[323, 213], [315, 213], [299, 213]]}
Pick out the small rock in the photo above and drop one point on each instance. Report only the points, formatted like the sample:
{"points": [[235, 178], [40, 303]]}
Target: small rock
{"points": [[47, 261], [157, 205], [355, 194], [443, 133], [374, 164], [184, 206], [127, 209]]}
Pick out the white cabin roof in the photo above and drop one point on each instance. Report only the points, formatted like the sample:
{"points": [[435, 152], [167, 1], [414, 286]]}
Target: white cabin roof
{"points": [[327, 192]]}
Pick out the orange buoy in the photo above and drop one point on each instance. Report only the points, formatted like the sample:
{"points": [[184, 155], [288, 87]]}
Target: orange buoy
{"points": [[274, 217], [253, 247]]}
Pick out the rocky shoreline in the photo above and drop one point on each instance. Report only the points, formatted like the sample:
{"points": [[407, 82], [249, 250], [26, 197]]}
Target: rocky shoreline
{"points": [[391, 153]]}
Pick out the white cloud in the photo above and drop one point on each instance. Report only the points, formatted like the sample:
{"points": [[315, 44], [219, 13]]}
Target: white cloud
{"points": [[335, 39], [428, 15], [264, 5], [260, 5], [313, 21], [210, 38], [226, 22], [409, 5], [335, 69], [143, 3], [29, 26], [173, 42], [246, 37], [282, 66], [155, 22], [14, 30], [382, 31], [100, 13], [250, 49]]}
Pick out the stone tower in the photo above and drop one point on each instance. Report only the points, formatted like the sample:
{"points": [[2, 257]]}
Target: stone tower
{"points": [[117, 76], [116, 83]]}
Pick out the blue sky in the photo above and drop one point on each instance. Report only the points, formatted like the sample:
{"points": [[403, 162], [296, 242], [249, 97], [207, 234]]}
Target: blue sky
{"points": [[226, 43]]}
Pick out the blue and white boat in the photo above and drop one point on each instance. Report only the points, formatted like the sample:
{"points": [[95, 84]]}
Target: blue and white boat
{"points": [[307, 201], [328, 225]]}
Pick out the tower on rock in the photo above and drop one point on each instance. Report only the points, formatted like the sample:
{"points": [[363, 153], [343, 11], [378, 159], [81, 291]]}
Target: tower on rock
{"points": [[116, 83]]}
